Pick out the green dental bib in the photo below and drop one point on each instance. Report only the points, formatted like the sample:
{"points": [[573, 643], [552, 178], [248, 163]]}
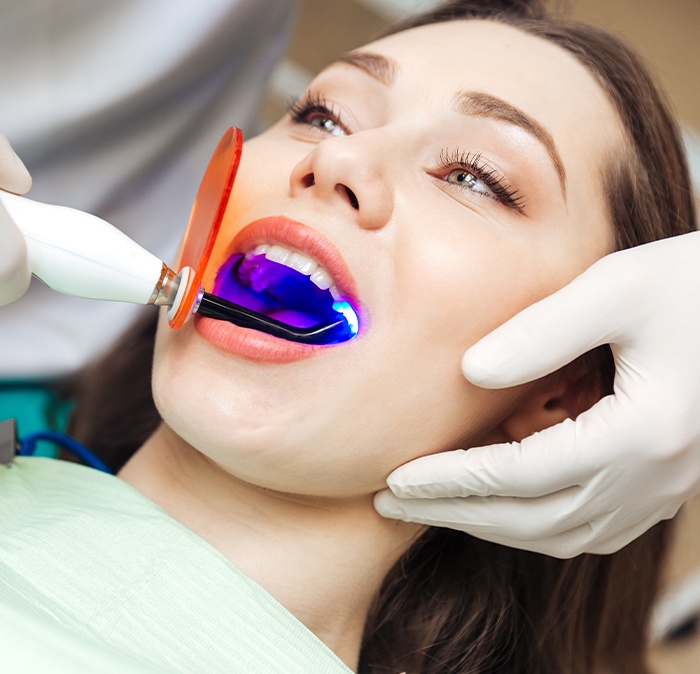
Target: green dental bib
{"points": [[84, 555]]}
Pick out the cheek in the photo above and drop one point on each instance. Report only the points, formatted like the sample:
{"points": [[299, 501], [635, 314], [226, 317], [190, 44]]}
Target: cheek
{"points": [[261, 181], [174, 380], [464, 291], [473, 275], [193, 389], [264, 172]]}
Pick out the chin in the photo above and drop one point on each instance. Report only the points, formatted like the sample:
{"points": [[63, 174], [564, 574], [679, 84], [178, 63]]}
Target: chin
{"points": [[266, 454], [254, 421]]}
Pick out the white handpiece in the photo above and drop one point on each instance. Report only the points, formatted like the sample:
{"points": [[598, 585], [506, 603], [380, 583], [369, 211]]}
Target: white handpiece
{"points": [[82, 255]]}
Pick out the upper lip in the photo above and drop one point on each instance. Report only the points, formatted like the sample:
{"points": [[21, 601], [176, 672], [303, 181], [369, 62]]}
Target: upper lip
{"points": [[302, 238]]}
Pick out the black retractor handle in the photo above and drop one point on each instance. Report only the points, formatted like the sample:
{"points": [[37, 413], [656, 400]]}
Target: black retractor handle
{"points": [[328, 332]]}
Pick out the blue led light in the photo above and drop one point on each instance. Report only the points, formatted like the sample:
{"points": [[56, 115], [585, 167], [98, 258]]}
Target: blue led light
{"points": [[348, 312]]}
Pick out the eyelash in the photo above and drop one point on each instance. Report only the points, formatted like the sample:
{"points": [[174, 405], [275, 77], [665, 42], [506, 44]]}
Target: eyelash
{"points": [[308, 104], [449, 160], [474, 163]]}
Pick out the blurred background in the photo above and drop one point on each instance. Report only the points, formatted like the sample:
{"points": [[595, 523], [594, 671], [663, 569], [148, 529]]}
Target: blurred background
{"points": [[668, 35]]}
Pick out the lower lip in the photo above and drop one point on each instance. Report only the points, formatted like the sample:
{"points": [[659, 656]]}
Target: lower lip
{"points": [[252, 344]]}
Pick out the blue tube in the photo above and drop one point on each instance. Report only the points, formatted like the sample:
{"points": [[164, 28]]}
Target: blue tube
{"points": [[28, 447]]}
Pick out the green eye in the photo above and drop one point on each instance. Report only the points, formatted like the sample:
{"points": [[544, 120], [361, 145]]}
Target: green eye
{"points": [[460, 177], [314, 110], [326, 124], [471, 172], [468, 180]]}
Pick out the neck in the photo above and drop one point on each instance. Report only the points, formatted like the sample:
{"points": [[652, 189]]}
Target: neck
{"points": [[322, 559]]}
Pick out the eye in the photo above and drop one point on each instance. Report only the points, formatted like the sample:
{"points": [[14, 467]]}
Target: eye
{"points": [[325, 123], [471, 172], [315, 111], [470, 181]]}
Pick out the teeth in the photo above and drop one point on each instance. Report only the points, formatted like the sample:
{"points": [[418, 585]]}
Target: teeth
{"points": [[278, 254], [321, 278], [304, 265]]}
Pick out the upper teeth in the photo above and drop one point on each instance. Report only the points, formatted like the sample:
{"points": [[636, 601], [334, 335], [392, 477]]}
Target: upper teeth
{"points": [[304, 265]]}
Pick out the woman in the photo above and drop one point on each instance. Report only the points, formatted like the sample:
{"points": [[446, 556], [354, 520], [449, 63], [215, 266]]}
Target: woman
{"points": [[500, 156]]}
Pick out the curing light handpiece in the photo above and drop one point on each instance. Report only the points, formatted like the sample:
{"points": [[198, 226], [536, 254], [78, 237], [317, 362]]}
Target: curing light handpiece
{"points": [[79, 254]]}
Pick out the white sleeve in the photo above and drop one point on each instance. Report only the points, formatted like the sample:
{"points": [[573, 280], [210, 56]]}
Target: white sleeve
{"points": [[115, 108]]}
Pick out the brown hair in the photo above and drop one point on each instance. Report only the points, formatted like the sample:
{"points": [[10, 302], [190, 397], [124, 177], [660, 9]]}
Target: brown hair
{"points": [[454, 603]]}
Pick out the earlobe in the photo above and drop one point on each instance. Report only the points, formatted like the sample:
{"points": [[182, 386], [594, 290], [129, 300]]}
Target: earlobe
{"points": [[560, 397]]}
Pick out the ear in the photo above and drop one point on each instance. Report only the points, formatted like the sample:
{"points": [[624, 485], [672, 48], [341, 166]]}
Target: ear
{"points": [[558, 397]]}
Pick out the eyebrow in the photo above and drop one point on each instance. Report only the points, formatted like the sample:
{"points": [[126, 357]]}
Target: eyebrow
{"points": [[377, 66], [473, 103], [480, 104]]}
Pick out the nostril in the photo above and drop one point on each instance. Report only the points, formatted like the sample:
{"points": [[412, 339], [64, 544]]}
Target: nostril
{"points": [[308, 180], [353, 199]]}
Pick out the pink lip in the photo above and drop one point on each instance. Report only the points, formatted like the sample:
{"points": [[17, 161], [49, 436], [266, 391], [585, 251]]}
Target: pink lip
{"points": [[256, 345], [252, 344]]}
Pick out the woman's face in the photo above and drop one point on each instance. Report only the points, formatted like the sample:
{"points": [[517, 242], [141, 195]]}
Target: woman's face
{"points": [[446, 177]]}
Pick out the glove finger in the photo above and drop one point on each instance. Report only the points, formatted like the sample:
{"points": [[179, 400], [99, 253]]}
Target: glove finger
{"points": [[551, 333], [564, 545], [557, 458], [522, 523], [14, 176], [605, 540]]}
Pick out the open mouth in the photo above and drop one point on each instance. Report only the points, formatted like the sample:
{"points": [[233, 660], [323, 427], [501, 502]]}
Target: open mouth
{"points": [[289, 288]]}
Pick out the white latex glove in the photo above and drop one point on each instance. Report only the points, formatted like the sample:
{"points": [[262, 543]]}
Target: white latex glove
{"points": [[595, 484], [14, 270]]}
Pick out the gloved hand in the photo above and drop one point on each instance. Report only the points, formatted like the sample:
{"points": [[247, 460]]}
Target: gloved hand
{"points": [[594, 484], [14, 270]]}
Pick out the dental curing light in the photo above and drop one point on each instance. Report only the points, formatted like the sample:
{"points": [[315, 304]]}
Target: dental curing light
{"points": [[332, 331], [293, 305], [80, 254]]}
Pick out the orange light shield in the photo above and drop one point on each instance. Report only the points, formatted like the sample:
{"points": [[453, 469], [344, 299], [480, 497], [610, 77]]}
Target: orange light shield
{"points": [[205, 219]]}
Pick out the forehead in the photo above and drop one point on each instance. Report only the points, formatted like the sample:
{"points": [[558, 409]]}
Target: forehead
{"points": [[502, 59], [533, 74]]}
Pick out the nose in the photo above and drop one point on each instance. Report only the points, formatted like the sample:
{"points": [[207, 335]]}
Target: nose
{"points": [[346, 171]]}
